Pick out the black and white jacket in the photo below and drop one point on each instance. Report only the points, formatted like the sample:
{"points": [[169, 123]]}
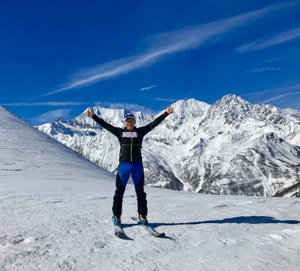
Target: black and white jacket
{"points": [[130, 141]]}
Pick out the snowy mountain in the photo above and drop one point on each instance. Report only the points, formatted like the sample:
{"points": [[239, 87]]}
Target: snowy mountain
{"points": [[55, 214], [230, 147]]}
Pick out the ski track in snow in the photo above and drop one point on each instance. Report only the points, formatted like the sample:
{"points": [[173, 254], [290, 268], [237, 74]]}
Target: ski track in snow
{"points": [[55, 214]]}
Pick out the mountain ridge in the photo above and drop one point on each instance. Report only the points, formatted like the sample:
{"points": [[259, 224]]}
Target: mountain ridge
{"points": [[229, 147]]}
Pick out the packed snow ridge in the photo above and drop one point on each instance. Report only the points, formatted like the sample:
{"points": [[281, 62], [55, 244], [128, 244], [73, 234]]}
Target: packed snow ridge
{"points": [[230, 147]]}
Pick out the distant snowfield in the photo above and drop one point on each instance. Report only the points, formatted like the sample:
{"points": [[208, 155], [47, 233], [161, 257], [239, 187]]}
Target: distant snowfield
{"points": [[55, 214]]}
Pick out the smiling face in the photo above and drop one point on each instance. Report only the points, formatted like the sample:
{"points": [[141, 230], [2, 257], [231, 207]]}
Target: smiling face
{"points": [[129, 124]]}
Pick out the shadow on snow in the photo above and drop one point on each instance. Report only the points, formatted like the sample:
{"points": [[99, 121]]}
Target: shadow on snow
{"points": [[232, 220]]}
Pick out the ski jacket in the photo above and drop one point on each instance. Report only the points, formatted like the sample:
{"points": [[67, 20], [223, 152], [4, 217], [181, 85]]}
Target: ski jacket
{"points": [[130, 141]]}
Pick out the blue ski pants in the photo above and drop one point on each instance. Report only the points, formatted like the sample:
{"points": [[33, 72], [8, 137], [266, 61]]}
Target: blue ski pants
{"points": [[136, 170]]}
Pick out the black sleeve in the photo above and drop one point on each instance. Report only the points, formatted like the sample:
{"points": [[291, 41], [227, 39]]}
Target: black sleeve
{"points": [[146, 129], [114, 130]]}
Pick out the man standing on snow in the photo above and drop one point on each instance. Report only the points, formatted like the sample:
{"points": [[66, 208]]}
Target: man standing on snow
{"points": [[130, 161]]}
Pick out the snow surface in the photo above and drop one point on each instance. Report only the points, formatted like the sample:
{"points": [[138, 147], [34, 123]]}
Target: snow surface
{"points": [[55, 214]]}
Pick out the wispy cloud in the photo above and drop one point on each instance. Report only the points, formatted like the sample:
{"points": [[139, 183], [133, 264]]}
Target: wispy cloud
{"points": [[162, 45], [56, 113], [52, 116], [169, 100], [281, 93], [273, 94], [271, 41], [47, 104], [148, 88], [264, 69], [281, 96], [127, 106]]}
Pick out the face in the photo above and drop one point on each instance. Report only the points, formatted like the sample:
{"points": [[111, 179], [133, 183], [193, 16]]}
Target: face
{"points": [[129, 124]]}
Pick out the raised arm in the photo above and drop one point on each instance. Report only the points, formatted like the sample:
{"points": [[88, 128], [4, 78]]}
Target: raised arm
{"points": [[146, 129], [114, 130]]}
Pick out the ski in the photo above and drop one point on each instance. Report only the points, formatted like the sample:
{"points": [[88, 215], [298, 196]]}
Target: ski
{"points": [[119, 232], [149, 229]]}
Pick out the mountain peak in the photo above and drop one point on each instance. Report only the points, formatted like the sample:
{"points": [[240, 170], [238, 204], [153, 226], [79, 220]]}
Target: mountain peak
{"points": [[232, 99], [190, 108], [231, 107]]}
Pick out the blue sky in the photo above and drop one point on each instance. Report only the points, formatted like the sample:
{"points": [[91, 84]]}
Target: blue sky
{"points": [[59, 57]]}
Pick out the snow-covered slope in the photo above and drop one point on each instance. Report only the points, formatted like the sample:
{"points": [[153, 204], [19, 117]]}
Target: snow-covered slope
{"points": [[55, 211], [230, 147]]}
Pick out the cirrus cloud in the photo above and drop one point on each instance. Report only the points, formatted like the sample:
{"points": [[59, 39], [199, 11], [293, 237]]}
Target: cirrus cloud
{"points": [[271, 41], [162, 45]]}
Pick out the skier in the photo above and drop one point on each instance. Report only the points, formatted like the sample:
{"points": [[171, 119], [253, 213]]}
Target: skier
{"points": [[130, 161]]}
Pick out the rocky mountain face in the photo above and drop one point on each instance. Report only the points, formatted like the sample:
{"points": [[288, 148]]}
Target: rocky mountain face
{"points": [[230, 147]]}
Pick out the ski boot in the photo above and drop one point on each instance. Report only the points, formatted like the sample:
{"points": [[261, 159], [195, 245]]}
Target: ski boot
{"points": [[116, 219], [143, 219]]}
